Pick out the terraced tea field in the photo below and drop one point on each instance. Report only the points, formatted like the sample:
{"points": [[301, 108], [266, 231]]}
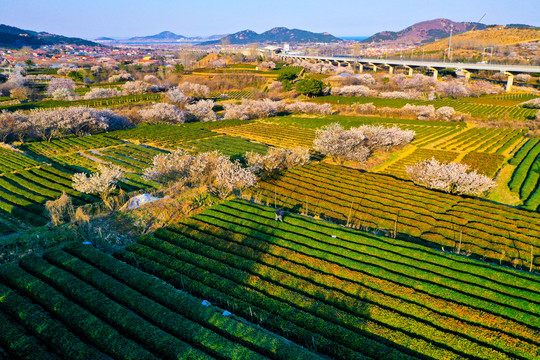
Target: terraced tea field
{"points": [[234, 147], [525, 180], [78, 303], [281, 136], [482, 107], [479, 139], [24, 192], [173, 136], [347, 294], [382, 204], [398, 168], [70, 145]]}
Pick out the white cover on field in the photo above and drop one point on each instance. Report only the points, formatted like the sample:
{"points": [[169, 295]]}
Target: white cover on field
{"points": [[139, 200]]}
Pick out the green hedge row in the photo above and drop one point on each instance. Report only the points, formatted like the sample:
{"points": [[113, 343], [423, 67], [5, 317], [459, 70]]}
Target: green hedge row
{"points": [[185, 304]]}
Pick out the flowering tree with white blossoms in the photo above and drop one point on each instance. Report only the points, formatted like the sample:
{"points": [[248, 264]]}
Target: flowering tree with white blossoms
{"points": [[267, 65], [211, 169], [276, 160], [162, 112], [177, 97], [60, 84], [101, 92], [202, 110], [102, 183], [135, 87], [79, 120], [194, 90], [309, 108], [453, 178], [357, 144]]}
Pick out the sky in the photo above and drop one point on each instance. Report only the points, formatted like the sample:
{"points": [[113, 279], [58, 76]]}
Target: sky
{"points": [[127, 18]]}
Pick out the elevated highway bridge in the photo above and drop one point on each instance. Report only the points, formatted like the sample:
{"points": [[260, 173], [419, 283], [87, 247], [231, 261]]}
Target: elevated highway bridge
{"points": [[434, 66]]}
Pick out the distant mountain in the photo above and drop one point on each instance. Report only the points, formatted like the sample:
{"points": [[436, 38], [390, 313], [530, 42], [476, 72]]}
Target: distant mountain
{"points": [[104, 38], [13, 37], [162, 36], [275, 35], [422, 32]]}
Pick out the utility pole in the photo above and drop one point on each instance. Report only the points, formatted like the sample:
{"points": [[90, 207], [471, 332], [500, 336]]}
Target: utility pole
{"points": [[450, 43]]}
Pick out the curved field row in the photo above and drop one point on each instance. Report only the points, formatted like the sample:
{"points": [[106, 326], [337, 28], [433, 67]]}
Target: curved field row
{"points": [[345, 289], [172, 136], [483, 140], [382, 204], [526, 178], [82, 304], [70, 145], [23, 193], [398, 168], [12, 160], [281, 136], [484, 163], [231, 146]]}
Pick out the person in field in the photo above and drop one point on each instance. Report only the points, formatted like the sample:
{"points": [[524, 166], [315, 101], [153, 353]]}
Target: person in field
{"points": [[279, 215]]}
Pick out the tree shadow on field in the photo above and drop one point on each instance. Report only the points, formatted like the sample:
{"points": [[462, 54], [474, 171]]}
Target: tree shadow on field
{"points": [[296, 286]]}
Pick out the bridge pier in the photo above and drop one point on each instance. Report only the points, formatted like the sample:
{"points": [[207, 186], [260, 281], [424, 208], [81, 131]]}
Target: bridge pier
{"points": [[360, 68], [509, 81], [374, 67], [390, 69], [435, 72], [467, 75], [409, 68]]}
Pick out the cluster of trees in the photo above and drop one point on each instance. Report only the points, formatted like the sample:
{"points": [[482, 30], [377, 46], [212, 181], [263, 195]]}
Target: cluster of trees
{"points": [[276, 160], [102, 92], [267, 65], [49, 124], [358, 143], [453, 178], [255, 109], [353, 90], [213, 170], [201, 110]]}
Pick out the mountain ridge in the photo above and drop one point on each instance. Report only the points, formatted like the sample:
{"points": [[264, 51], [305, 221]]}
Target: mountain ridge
{"points": [[13, 37], [274, 35], [422, 32]]}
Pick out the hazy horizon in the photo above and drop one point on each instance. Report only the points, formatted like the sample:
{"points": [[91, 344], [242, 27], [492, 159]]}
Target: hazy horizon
{"points": [[124, 19]]}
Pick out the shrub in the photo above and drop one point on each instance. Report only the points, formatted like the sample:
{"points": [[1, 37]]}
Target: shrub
{"points": [[452, 178], [310, 87], [162, 112], [287, 73]]}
